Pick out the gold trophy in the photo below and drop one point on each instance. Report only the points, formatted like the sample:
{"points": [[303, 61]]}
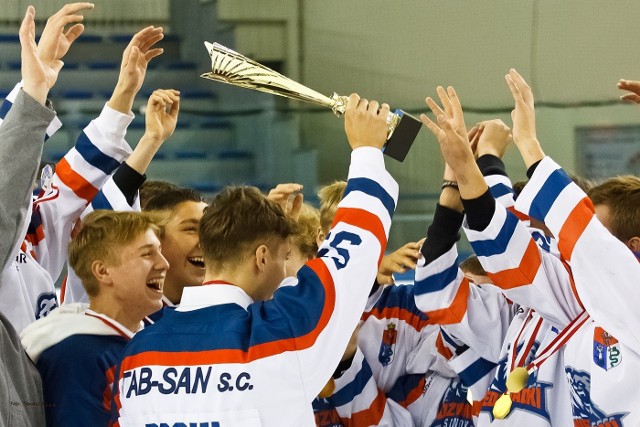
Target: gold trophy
{"points": [[228, 66]]}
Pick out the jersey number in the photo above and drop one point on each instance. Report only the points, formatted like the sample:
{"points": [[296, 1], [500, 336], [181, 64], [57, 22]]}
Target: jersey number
{"points": [[341, 256]]}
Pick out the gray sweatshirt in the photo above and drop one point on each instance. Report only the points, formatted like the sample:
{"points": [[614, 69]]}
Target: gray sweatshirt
{"points": [[21, 141]]}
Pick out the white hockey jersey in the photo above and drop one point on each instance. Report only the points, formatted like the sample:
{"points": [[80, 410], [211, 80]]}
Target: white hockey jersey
{"points": [[602, 359]]}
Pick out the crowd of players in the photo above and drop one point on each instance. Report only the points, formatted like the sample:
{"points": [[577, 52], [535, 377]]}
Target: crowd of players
{"points": [[260, 310]]}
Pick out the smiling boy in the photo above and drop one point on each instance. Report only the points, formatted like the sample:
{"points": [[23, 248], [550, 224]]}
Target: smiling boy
{"points": [[117, 256]]}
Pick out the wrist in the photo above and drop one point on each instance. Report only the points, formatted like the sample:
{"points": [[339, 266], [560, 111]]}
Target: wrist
{"points": [[151, 139], [36, 91], [122, 100]]}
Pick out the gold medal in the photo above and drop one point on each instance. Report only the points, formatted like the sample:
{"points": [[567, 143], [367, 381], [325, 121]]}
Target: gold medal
{"points": [[517, 379], [502, 407]]}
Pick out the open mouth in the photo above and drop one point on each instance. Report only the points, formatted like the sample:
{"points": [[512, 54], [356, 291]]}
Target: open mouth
{"points": [[155, 284], [197, 261]]}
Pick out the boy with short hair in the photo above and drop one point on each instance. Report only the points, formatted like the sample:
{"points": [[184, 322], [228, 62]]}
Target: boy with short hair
{"points": [[117, 257]]}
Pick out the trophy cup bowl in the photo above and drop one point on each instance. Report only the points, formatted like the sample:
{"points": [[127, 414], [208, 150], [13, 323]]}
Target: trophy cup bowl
{"points": [[230, 67]]}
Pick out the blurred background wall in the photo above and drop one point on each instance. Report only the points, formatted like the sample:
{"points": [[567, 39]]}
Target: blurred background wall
{"points": [[572, 53]]}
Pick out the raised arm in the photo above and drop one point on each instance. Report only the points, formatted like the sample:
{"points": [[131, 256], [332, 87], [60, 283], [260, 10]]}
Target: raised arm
{"points": [[326, 304], [605, 270], [84, 170]]}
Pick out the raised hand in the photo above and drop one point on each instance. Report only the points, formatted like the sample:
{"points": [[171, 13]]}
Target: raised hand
{"points": [[135, 58], [403, 259], [450, 131], [633, 86], [42, 63], [282, 193], [365, 122], [495, 139], [161, 115], [524, 119]]}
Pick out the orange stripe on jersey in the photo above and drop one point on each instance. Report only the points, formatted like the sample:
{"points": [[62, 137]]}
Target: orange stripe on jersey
{"points": [[397, 313], [256, 352], [370, 416], [572, 282], [106, 397], [365, 220], [414, 394], [456, 311], [443, 349], [37, 237], [522, 274], [80, 186], [574, 226], [521, 216], [477, 407], [63, 289]]}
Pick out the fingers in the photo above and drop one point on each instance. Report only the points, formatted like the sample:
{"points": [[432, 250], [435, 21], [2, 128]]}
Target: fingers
{"points": [[352, 103], [521, 84], [446, 102], [74, 32], [285, 189], [296, 206], [631, 97], [435, 108], [28, 28], [456, 108], [163, 98], [515, 92], [153, 53]]}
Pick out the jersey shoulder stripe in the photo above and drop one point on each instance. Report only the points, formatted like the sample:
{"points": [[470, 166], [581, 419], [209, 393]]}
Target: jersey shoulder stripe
{"points": [[94, 156], [373, 189], [76, 182], [437, 282], [232, 348], [495, 246], [549, 192]]}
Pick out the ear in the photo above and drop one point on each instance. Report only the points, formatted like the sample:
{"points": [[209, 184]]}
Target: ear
{"points": [[634, 244], [261, 260], [100, 271], [320, 236]]}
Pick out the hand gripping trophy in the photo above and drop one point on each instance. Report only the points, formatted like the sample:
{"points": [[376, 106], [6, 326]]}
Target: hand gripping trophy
{"points": [[228, 66]]}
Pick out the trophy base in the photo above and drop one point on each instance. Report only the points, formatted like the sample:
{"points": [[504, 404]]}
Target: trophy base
{"points": [[403, 135]]}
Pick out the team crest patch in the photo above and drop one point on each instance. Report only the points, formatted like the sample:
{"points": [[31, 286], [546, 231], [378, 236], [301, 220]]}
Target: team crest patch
{"points": [[606, 349], [46, 302], [388, 344]]}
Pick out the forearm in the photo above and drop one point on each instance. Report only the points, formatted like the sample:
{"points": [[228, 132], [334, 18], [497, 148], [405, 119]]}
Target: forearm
{"points": [[143, 154]]}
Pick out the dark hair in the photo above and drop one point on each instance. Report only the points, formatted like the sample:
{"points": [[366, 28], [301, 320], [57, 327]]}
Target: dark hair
{"points": [[237, 218], [622, 195], [162, 195]]}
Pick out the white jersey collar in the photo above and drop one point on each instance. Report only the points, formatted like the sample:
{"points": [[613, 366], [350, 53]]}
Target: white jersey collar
{"points": [[213, 293]]}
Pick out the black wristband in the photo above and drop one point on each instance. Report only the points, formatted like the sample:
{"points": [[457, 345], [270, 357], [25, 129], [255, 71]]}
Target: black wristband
{"points": [[128, 181], [479, 211], [491, 165], [443, 232]]}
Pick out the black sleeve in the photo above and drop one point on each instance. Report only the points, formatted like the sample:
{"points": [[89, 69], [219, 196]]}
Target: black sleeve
{"points": [[479, 211], [442, 234], [491, 165], [128, 181]]}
